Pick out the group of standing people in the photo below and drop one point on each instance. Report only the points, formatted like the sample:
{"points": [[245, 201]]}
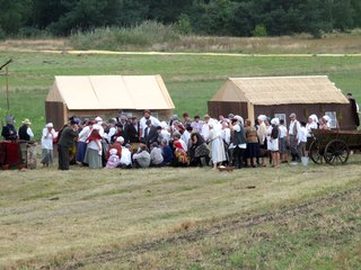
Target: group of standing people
{"points": [[129, 142]]}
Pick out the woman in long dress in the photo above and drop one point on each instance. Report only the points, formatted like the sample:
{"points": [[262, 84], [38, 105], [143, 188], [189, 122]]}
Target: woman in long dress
{"points": [[93, 154], [218, 154]]}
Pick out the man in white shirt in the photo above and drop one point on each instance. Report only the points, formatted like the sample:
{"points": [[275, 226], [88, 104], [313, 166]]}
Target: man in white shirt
{"points": [[293, 131], [302, 139], [143, 121]]}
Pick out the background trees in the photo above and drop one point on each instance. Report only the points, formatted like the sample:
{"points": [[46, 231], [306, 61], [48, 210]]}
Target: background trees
{"points": [[211, 17]]}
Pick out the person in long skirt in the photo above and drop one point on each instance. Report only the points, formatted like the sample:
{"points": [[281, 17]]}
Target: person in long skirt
{"points": [[93, 154], [47, 139], [218, 154], [81, 146]]}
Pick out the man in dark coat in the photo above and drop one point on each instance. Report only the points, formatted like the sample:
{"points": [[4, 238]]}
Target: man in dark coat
{"points": [[9, 131], [150, 134], [354, 109], [132, 131], [66, 141]]}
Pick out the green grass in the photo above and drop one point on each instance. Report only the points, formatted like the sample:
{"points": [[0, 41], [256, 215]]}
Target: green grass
{"points": [[295, 218], [192, 80]]}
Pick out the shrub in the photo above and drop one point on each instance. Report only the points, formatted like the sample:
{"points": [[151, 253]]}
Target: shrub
{"points": [[259, 31], [114, 38], [184, 24]]}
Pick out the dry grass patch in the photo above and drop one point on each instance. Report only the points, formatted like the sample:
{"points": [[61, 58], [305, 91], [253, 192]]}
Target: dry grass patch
{"points": [[104, 216]]}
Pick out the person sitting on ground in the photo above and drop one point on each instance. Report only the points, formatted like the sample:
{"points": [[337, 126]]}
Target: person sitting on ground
{"points": [[116, 145], [126, 158], [156, 157], [167, 153], [177, 137], [113, 160], [198, 151], [9, 131], [181, 158], [47, 139], [142, 157]]}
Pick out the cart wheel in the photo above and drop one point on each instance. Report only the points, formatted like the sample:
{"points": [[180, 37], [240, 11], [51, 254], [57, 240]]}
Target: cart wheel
{"points": [[315, 153], [336, 152]]}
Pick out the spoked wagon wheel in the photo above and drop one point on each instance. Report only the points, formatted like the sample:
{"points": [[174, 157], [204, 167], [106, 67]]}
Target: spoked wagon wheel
{"points": [[315, 153], [336, 152]]}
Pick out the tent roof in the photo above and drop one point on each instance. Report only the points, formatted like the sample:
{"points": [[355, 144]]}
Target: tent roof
{"points": [[281, 90], [111, 92]]}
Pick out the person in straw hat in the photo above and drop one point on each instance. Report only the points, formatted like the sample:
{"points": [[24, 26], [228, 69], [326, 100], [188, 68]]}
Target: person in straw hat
{"points": [[47, 138], [25, 136], [25, 132]]}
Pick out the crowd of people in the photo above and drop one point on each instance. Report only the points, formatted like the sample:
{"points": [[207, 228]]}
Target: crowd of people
{"points": [[129, 142]]}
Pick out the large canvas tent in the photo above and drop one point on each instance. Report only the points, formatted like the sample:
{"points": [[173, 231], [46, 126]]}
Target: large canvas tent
{"points": [[89, 96], [280, 96]]}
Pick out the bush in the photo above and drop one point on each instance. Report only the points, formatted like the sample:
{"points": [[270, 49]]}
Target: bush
{"points": [[114, 38], [184, 24], [2, 34], [259, 31]]}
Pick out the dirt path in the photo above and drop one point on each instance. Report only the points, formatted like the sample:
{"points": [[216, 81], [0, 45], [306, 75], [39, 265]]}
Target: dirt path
{"points": [[101, 52], [229, 224]]}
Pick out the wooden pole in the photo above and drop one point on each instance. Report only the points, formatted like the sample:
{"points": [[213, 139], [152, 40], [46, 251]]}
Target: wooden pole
{"points": [[7, 88]]}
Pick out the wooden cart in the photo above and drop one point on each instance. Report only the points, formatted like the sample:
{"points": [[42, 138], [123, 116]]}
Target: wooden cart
{"points": [[333, 146]]}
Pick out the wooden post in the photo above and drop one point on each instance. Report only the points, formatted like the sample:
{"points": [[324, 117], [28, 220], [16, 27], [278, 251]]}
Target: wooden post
{"points": [[250, 109], [7, 88]]}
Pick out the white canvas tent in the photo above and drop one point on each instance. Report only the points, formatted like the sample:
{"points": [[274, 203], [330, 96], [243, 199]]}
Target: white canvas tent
{"points": [[106, 95]]}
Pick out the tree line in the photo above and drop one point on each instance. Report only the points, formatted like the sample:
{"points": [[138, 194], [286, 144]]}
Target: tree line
{"points": [[205, 17]]}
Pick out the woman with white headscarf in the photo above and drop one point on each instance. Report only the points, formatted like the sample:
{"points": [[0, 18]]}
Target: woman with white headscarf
{"points": [[273, 142], [47, 139], [311, 124], [218, 154]]}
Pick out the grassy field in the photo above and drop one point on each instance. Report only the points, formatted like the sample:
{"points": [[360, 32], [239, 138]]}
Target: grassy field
{"points": [[291, 218], [168, 42], [191, 79], [288, 218]]}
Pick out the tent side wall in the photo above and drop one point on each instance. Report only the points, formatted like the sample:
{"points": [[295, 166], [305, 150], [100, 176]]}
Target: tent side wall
{"points": [[216, 108], [56, 112], [108, 114], [303, 111]]}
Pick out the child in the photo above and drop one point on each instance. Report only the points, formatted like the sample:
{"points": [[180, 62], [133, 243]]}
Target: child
{"points": [[113, 160]]}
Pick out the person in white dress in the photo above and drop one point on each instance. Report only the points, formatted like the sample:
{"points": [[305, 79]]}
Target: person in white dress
{"points": [[218, 154], [47, 139]]}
